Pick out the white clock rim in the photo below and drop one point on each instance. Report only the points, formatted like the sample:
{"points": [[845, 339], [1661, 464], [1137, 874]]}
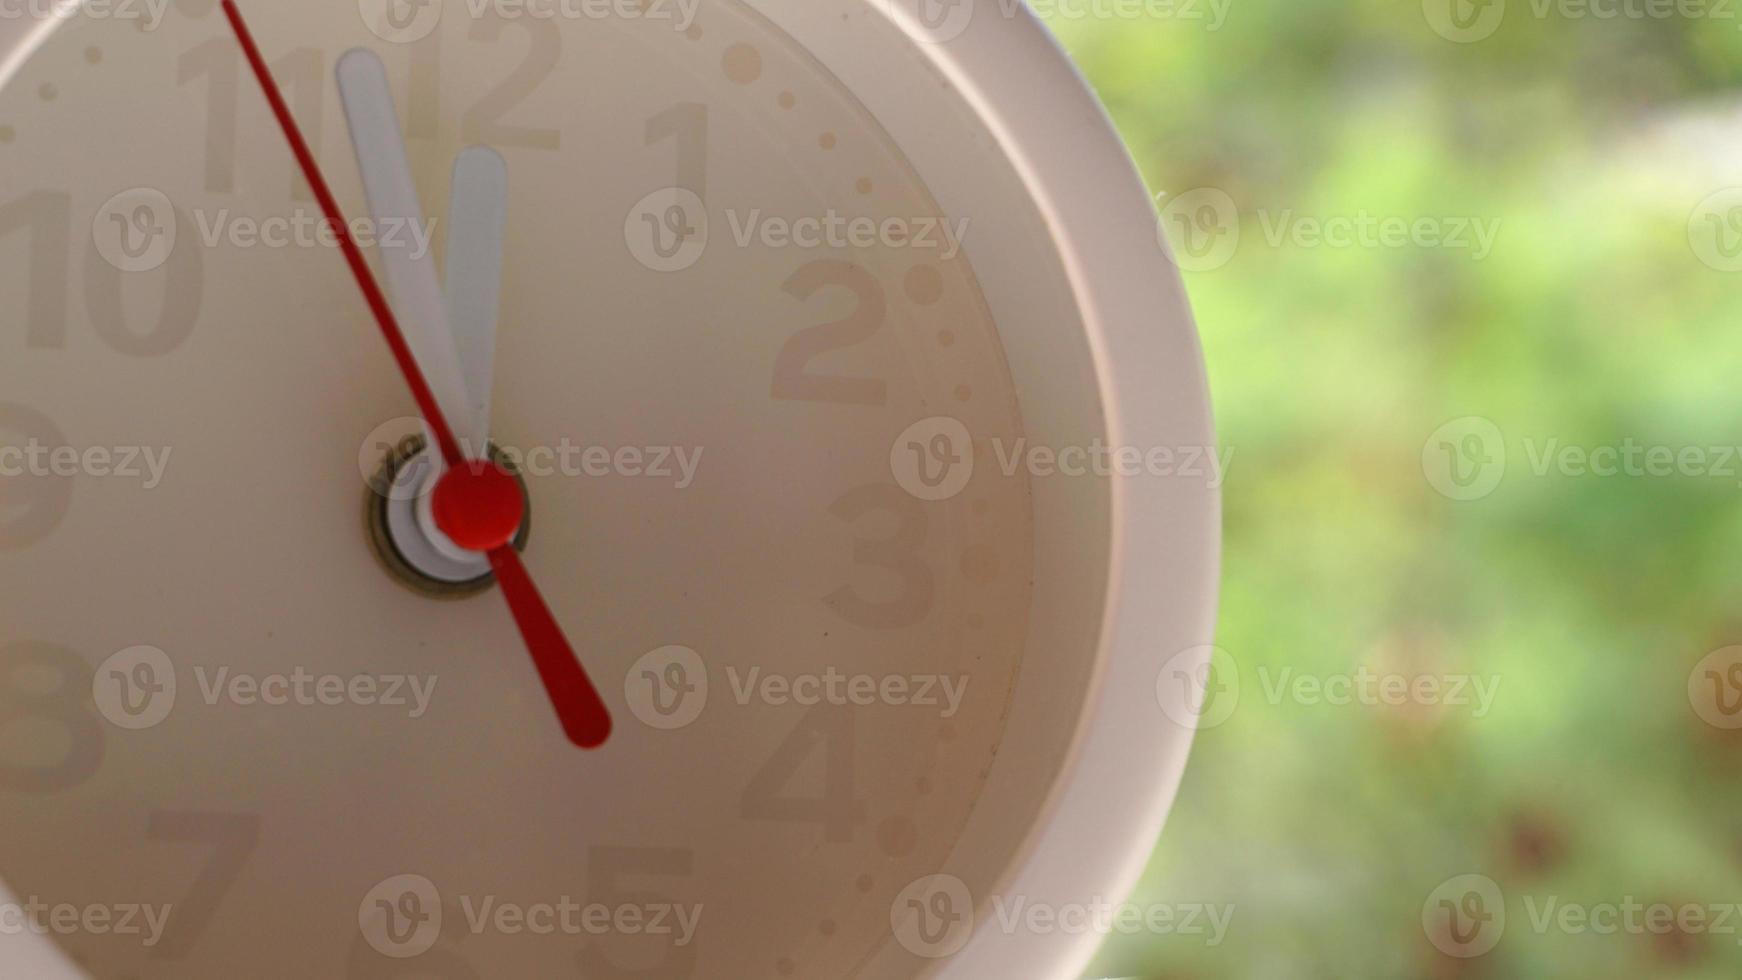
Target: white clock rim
{"points": [[1100, 824]]}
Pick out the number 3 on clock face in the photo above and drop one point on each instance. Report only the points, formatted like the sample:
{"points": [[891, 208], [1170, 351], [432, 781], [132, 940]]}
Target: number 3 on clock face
{"points": [[780, 313]]}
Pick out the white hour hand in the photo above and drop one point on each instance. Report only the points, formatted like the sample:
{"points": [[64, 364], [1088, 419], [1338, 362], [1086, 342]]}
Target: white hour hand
{"points": [[411, 272]]}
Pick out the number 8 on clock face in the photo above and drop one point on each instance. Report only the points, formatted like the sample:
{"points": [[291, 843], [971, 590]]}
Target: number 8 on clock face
{"points": [[773, 311]]}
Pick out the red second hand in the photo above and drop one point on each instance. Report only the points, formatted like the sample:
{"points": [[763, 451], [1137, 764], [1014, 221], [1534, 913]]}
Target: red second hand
{"points": [[583, 714]]}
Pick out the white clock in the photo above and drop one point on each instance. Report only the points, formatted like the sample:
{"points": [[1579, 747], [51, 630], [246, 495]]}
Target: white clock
{"points": [[840, 400]]}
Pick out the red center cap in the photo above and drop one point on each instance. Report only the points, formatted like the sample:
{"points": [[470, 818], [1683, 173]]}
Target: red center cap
{"points": [[479, 506]]}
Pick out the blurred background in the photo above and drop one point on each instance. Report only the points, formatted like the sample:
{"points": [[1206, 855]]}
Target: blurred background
{"points": [[1469, 280]]}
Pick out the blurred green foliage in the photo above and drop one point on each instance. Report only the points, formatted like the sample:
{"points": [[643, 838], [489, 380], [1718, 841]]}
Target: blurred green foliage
{"points": [[1589, 600]]}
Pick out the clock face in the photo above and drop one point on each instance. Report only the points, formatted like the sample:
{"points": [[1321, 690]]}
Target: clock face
{"points": [[760, 398]]}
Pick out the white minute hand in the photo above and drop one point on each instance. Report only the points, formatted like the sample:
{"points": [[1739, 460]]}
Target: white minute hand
{"points": [[477, 212], [403, 238]]}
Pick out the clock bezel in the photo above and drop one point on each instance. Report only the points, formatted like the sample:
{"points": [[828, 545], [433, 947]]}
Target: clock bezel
{"points": [[1100, 823]]}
